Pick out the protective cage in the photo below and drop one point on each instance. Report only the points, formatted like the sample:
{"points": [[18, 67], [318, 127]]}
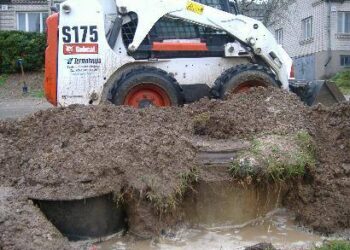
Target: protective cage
{"points": [[168, 28]]}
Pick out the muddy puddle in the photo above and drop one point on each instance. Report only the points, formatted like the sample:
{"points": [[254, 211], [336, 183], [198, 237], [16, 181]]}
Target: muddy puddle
{"points": [[220, 215], [226, 203], [277, 228]]}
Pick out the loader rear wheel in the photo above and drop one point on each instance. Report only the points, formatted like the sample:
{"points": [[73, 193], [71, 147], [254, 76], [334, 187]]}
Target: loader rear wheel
{"points": [[242, 78], [147, 86]]}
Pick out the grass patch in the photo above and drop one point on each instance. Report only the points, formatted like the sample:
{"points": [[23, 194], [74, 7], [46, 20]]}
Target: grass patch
{"points": [[276, 158], [37, 94], [342, 80], [335, 245], [308, 148], [247, 163], [299, 159], [164, 204], [3, 79]]}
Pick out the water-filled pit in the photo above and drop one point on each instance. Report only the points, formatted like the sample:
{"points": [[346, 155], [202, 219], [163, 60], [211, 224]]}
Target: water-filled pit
{"points": [[217, 215], [84, 219], [277, 228]]}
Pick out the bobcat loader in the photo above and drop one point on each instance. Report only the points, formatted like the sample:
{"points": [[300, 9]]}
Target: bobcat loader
{"points": [[160, 53]]}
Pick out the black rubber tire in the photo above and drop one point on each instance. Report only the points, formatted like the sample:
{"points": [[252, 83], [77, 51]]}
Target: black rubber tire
{"points": [[138, 75], [232, 78]]}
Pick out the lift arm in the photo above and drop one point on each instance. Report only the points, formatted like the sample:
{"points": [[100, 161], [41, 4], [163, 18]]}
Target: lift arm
{"points": [[247, 30]]}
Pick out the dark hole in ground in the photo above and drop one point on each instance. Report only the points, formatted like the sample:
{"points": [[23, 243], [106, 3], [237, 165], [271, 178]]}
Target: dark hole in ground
{"points": [[87, 218]]}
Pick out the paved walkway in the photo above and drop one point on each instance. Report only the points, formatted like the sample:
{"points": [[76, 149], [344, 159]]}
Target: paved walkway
{"points": [[19, 108]]}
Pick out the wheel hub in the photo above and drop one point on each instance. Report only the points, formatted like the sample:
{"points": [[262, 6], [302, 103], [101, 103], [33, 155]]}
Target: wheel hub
{"points": [[146, 95], [246, 86], [145, 103]]}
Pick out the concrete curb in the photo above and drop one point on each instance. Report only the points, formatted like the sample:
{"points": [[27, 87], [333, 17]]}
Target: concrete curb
{"points": [[19, 108]]}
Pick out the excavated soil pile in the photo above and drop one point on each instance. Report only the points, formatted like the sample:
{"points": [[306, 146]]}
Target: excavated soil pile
{"points": [[31, 229], [79, 152], [322, 200], [259, 111], [64, 154]]}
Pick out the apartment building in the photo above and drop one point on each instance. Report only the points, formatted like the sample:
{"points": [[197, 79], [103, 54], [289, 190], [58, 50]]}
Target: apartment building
{"points": [[316, 34], [25, 15]]}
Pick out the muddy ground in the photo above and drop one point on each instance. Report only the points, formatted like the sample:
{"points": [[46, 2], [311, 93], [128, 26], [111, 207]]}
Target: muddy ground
{"points": [[77, 152], [31, 230], [147, 157], [11, 86], [13, 103], [322, 198], [247, 116]]}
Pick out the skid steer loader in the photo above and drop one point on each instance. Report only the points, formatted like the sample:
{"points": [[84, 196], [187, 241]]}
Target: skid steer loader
{"points": [[159, 53]]}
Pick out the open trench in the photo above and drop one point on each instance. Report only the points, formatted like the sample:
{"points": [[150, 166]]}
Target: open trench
{"points": [[216, 213]]}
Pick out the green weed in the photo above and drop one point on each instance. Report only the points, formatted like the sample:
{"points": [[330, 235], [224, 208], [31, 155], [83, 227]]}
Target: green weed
{"points": [[243, 168], [167, 203], [335, 245], [276, 158], [342, 79], [186, 179], [37, 94], [301, 159], [3, 79]]}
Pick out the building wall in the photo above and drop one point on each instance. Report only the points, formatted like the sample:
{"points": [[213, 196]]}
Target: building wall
{"points": [[314, 54], [333, 60], [305, 67], [8, 19], [339, 41], [293, 41]]}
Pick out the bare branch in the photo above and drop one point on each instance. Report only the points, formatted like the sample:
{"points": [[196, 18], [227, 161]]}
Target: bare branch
{"points": [[266, 10]]}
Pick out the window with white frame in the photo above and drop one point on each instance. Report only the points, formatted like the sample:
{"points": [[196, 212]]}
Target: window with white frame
{"points": [[344, 22], [279, 35], [32, 21], [307, 28], [345, 61]]}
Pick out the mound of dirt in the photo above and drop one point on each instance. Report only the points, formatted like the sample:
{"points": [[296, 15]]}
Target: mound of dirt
{"points": [[31, 230], [322, 199], [77, 152], [271, 111], [149, 155]]}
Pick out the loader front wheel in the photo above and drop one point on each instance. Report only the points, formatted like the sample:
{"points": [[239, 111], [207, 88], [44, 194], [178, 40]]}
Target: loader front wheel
{"points": [[146, 86], [242, 78], [145, 95]]}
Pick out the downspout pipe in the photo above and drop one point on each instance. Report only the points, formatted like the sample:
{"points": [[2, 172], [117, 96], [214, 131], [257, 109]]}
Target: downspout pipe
{"points": [[329, 34]]}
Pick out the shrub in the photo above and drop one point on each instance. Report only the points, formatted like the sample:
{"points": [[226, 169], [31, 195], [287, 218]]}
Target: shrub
{"points": [[342, 79], [17, 44]]}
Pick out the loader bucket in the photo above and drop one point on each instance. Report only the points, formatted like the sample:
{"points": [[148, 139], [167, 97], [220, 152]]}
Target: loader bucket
{"points": [[315, 92]]}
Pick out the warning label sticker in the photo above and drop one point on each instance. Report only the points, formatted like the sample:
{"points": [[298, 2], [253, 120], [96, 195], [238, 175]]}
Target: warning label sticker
{"points": [[195, 7]]}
